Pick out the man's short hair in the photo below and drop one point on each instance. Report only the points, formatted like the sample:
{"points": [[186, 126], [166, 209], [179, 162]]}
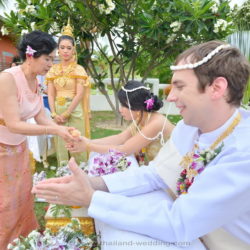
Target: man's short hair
{"points": [[229, 63]]}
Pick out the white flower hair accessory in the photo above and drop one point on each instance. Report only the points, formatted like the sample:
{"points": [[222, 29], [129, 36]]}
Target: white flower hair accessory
{"points": [[204, 60], [134, 89], [30, 51]]}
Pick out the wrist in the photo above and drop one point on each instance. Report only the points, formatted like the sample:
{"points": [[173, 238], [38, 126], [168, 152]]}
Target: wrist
{"points": [[54, 130], [88, 146], [53, 115], [66, 114], [89, 197]]}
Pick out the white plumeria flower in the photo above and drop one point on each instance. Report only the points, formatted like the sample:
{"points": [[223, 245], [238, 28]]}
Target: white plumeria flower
{"points": [[101, 8], [4, 31], [214, 8], [33, 25], [111, 5], [55, 27], [30, 8], [107, 11], [175, 26], [24, 32], [220, 25], [171, 38], [186, 37]]}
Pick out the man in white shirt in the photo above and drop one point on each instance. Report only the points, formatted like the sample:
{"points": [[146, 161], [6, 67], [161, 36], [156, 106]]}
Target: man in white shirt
{"points": [[204, 166]]}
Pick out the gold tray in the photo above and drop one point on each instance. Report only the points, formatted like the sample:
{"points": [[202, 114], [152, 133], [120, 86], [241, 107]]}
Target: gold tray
{"points": [[87, 224]]}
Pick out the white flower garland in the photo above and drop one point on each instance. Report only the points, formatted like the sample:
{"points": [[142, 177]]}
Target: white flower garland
{"points": [[134, 89], [204, 60]]}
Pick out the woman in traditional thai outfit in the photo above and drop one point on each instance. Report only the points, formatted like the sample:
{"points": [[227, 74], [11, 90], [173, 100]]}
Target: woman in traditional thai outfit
{"points": [[20, 100], [146, 134], [68, 94]]}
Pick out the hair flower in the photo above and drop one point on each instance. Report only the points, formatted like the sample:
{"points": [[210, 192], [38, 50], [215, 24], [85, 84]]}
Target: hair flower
{"points": [[149, 103], [30, 51]]}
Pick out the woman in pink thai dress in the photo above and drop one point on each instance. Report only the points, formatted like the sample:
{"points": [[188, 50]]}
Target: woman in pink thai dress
{"points": [[19, 101]]}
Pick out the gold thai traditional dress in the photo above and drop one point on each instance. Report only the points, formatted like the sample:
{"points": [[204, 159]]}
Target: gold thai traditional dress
{"points": [[65, 81]]}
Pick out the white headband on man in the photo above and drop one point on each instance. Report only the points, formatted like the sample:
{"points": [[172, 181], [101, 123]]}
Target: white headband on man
{"points": [[204, 60], [132, 90]]}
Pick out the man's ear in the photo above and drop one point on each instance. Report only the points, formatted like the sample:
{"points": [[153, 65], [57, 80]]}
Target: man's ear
{"points": [[219, 87]]}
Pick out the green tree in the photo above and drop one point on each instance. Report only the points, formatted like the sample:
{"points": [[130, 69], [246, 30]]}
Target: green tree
{"points": [[142, 35], [241, 38], [2, 3]]}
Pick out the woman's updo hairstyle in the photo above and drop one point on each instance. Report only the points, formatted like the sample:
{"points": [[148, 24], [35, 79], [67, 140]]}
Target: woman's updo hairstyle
{"points": [[65, 37], [40, 41], [138, 97]]}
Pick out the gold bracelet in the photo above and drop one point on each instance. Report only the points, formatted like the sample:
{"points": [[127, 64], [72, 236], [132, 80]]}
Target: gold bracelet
{"points": [[46, 131], [53, 115], [66, 114]]}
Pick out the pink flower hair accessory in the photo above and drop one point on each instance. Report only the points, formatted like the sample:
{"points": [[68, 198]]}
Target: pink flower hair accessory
{"points": [[150, 103], [30, 51]]}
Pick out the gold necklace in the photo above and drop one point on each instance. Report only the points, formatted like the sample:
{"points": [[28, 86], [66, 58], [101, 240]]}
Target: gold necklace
{"points": [[64, 73]]}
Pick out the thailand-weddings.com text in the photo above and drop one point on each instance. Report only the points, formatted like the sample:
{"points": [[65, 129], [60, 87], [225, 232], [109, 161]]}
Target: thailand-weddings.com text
{"points": [[143, 243]]}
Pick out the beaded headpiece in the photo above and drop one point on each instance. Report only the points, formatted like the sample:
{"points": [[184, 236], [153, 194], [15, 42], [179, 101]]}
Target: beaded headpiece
{"points": [[134, 89], [202, 61], [67, 30]]}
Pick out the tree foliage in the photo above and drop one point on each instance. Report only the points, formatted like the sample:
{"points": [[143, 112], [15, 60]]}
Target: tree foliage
{"points": [[142, 35], [241, 38]]}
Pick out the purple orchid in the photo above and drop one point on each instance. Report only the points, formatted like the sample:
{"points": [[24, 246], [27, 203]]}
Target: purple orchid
{"points": [[150, 103]]}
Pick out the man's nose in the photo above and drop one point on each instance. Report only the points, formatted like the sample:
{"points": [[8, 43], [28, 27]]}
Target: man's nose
{"points": [[171, 96]]}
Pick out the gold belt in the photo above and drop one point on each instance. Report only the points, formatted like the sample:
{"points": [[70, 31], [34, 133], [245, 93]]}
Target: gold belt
{"points": [[2, 122], [62, 100]]}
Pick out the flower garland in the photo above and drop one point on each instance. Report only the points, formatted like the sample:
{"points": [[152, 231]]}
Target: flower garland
{"points": [[204, 59], [198, 163], [195, 162]]}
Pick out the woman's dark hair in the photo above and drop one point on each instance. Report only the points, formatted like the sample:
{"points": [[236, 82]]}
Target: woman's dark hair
{"points": [[138, 97], [40, 41], [65, 37]]}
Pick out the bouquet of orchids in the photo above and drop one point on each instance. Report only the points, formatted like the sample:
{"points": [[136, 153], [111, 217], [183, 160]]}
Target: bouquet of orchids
{"points": [[109, 163], [68, 237]]}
